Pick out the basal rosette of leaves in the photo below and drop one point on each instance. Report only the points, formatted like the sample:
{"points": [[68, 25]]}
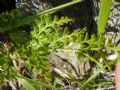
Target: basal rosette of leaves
{"points": [[48, 36]]}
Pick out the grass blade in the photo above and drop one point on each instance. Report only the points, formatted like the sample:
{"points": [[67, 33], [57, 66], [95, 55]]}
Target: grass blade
{"points": [[103, 15], [88, 80], [30, 19], [25, 84]]}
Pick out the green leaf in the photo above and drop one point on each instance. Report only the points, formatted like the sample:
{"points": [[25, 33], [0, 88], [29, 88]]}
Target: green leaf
{"points": [[84, 85], [55, 19], [66, 31], [29, 19], [25, 84], [103, 15]]}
